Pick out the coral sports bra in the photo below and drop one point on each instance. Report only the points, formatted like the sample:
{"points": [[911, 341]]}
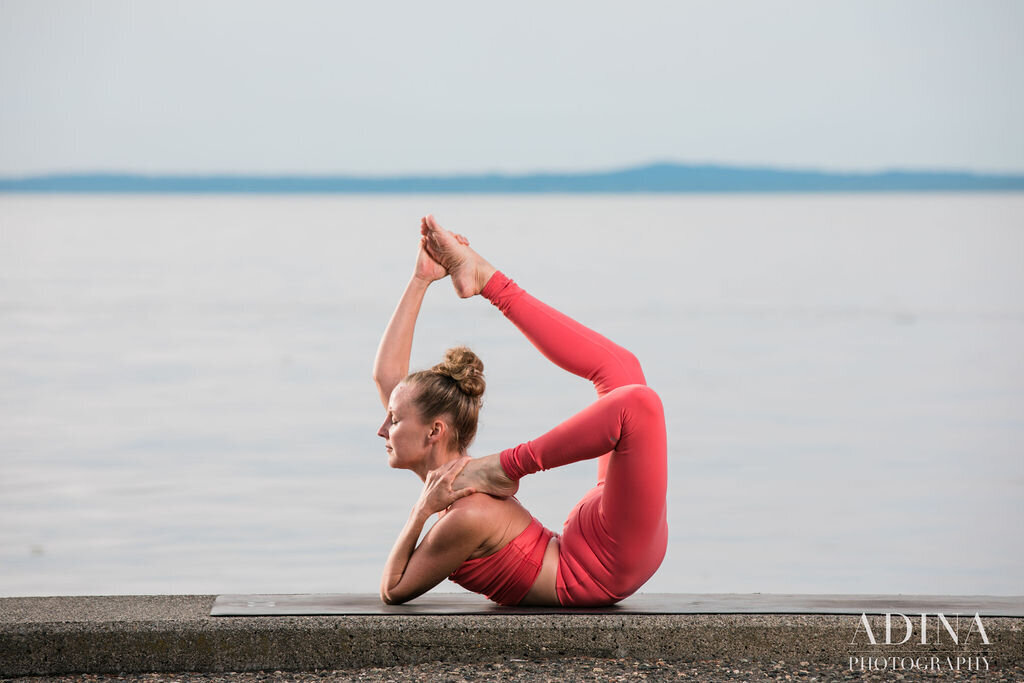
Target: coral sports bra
{"points": [[507, 575]]}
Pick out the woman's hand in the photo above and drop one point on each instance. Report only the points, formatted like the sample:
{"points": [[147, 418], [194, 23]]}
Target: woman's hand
{"points": [[427, 269], [437, 491]]}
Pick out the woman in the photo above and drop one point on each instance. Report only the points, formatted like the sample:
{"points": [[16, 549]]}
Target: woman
{"points": [[485, 540]]}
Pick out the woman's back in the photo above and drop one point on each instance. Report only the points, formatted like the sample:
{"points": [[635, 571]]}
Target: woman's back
{"points": [[501, 520], [511, 555]]}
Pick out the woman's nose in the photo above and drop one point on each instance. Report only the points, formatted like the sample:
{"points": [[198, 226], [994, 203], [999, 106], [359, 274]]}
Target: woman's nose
{"points": [[383, 431]]}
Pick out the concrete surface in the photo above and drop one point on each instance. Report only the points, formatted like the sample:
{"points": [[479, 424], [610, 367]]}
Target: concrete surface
{"points": [[565, 670], [47, 636]]}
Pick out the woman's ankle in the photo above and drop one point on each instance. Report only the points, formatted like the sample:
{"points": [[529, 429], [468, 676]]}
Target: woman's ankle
{"points": [[495, 284]]}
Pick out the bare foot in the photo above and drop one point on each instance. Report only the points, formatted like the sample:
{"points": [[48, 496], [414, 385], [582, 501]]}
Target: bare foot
{"points": [[469, 271], [423, 231], [486, 476]]}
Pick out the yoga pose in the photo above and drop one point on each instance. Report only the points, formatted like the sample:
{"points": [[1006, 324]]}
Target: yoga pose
{"points": [[485, 540]]}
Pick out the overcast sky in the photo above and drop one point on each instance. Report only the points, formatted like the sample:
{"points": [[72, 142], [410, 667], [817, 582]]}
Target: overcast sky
{"points": [[397, 87]]}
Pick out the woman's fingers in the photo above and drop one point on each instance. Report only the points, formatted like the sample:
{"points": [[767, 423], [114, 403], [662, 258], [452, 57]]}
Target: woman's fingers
{"points": [[462, 462], [455, 470], [437, 488], [453, 467], [462, 493], [450, 470]]}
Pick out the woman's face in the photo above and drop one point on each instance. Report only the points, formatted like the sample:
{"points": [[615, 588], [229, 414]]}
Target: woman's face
{"points": [[406, 435]]}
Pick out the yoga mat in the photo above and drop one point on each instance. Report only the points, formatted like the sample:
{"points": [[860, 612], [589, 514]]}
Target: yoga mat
{"points": [[641, 603]]}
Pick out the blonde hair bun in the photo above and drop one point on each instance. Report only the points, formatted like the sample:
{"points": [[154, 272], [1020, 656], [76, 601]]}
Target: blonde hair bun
{"points": [[452, 388], [465, 368]]}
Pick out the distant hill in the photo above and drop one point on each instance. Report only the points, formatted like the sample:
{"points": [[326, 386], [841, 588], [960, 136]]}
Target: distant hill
{"points": [[660, 178]]}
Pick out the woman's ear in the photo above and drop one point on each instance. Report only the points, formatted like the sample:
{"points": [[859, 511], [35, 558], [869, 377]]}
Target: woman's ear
{"points": [[438, 430]]}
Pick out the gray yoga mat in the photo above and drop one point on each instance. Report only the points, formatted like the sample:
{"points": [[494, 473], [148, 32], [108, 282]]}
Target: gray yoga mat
{"points": [[641, 603]]}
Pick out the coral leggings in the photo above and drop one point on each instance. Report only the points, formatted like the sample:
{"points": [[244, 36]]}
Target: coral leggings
{"points": [[615, 537]]}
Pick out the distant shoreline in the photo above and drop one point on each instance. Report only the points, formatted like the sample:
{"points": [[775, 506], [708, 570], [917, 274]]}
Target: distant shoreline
{"points": [[653, 178]]}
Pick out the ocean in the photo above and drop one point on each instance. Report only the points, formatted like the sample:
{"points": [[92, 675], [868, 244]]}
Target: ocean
{"points": [[186, 401]]}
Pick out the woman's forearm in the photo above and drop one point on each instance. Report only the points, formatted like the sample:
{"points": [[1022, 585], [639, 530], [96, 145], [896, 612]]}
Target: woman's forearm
{"points": [[398, 560], [392, 362]]}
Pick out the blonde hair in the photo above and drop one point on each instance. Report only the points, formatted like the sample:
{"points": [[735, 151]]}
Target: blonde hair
{"points": [[453, 387]]}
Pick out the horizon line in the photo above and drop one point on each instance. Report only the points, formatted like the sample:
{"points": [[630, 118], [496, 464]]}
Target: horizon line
{"points": [[663, 177], [459, 174]]}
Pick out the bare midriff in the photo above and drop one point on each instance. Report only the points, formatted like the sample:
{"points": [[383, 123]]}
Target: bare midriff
{"points": [[542, 592]]}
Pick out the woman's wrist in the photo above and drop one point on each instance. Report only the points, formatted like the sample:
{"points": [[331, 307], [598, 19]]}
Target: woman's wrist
{"points": [[420, 513], [421, 281]]}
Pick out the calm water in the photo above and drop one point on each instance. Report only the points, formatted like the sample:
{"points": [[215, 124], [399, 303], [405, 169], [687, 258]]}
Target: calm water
{"points": [[186, 403]]}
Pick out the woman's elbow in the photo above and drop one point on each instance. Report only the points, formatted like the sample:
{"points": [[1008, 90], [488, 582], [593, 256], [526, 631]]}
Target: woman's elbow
{"points": [[389, 599], [385, 383]]}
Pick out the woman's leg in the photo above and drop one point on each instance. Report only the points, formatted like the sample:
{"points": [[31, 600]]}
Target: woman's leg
{"points": [[615, 538], [566, 343]]}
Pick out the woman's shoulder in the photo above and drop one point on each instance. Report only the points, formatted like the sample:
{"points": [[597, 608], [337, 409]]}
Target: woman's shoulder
{"points": [[485, 514], [494, 521], [485, 505], [473, 514]]}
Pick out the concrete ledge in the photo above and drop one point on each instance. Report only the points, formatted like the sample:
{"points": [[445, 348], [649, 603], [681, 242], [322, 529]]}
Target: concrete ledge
{"points": [[132, 634]]}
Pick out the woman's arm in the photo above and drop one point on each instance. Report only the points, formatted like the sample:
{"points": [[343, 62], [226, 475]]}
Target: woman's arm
{"points": [[411, 571], [392, 362]]}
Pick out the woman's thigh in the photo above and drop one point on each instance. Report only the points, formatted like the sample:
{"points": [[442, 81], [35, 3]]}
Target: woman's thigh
{"points": [[616, 536], [599, 568]]}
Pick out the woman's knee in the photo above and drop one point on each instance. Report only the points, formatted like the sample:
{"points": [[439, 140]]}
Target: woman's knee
{"points": [[631, 366], [628, 579], [642, 400]]}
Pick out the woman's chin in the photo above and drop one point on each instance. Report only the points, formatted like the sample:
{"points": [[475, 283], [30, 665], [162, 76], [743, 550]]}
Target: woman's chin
{"points": [[397, 462]]}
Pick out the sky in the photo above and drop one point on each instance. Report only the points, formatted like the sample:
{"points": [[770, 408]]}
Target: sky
{"points": [[386, 88]]}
